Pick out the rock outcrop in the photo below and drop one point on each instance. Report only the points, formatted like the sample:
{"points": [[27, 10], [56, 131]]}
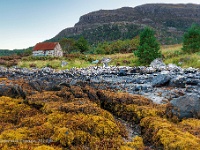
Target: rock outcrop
{"points": [[88, 108], [169, 20], [160, 83]]}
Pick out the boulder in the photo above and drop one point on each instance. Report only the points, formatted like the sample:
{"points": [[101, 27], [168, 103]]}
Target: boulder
{"points": [[135, 70], [52, 86], [192, 81], [190, 70], [158, 63], [187, 106], [37, 85], [161, 80], [122, 72], [13, 91], [178, 81]]}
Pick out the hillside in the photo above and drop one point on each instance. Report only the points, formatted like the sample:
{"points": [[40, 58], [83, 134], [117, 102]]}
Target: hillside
{"points": [[169, 20]]}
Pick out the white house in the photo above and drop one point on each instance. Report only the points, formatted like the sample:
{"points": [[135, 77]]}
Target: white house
{"points": [[48, 49]]}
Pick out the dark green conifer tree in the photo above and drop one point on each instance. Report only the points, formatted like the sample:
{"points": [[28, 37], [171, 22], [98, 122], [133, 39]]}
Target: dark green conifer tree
{"points": [[191, 40], [149, 48]]}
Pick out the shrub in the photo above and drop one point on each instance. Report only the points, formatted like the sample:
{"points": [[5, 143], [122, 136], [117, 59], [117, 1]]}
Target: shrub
{"points": [[149, 48], [191, 41], [32, 65]]}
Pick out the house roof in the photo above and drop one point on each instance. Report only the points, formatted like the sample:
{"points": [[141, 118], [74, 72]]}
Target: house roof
{"points": [[45, 46]]}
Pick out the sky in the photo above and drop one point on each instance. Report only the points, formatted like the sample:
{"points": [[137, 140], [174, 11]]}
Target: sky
{"points": [[23, 23]]}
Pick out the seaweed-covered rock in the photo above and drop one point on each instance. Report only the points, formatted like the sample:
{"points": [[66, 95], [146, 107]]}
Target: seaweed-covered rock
{"points": [[36, 85], [12, 91], [166, 135]]}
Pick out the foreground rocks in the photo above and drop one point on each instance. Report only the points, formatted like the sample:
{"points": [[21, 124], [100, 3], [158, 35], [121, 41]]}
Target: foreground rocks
{"points": [[187, 106], [90, 108], [161, 83], [81, 117]]}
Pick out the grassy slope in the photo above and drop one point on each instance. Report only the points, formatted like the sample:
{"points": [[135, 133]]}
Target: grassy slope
{"points": [[172, 54]]}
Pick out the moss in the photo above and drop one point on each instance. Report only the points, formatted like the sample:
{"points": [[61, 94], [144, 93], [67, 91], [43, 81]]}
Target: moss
{"points": [[95, 125], [77, 92], [66, 94], [64, 136], [107, 143], [129, 107], [86, 107], [81, 137], [12, 110], [166, 134], [18, 146], [122, 98], [191, 125], [57, 118], [32, 121], [6, 126], [44, 131], [44, 147], [14, 137], [126, 148], [137, 143], [42, 98], [140, 112], [52, 106], [92, 94]]}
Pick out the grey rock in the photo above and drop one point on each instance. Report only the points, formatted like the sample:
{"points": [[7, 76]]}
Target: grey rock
{"points": [[187, 106], [135, 70], [63, 63], [178, 81], [161, 80], [192, 81], [158, 63], [190, 70], [12, 91], [95, 62], [122, 72]]}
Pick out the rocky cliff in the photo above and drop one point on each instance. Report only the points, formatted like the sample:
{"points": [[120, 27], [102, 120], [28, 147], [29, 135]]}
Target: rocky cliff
{"points": [[169, 20]]}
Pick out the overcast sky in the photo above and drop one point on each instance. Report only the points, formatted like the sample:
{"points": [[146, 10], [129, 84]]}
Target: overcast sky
{"points": [[24, 23]]}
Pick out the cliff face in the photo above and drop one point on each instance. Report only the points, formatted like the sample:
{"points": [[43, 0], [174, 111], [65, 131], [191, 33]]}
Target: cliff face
{"points": [[169, 20]]}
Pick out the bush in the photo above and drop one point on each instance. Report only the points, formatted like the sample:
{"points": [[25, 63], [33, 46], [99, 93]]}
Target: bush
{"points": [[191, 41], [149, 48], [32, 65]]}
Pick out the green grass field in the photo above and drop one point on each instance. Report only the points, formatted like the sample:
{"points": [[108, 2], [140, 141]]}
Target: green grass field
{"points": [[172, 54]]}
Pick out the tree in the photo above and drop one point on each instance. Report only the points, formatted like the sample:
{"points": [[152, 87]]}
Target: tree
{"points": [[191, 39], [67, 45], [134, 43], [82, 44], [149, 48]]}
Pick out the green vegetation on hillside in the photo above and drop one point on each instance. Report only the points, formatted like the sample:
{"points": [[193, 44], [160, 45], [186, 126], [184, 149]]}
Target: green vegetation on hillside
{"points": [[106, 32], [15, 52], [119, 46]]}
